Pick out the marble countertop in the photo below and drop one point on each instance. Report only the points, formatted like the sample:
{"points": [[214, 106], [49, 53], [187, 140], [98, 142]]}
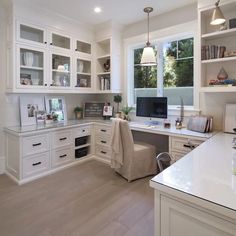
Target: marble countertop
{"points": [[206, 172], [54, 125]]}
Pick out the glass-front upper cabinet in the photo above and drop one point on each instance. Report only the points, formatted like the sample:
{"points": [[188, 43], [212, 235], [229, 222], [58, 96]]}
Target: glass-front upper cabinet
{"points": [[60, 41], [31, 34], [83, 73], [31, 67], [83, 48], [61, 70]]}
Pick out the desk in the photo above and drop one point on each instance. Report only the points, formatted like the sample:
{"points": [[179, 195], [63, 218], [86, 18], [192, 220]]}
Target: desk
{"points": [[180, 141], [52, 147]]}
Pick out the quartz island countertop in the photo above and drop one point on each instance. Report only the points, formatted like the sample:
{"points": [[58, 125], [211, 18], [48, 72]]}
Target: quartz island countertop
{"points": [[205, 173]]}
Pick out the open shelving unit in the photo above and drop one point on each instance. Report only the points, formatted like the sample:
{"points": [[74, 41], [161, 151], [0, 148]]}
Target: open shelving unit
{"points": [[212, 36]]}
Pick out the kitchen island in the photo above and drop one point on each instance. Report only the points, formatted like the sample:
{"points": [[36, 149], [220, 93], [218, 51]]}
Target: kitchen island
{"points": [[196, 196]]}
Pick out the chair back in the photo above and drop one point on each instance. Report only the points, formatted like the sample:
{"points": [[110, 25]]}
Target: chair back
{"points": [[163, 160]]}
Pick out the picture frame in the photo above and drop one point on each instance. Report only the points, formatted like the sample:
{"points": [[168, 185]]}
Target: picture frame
{"points": [[107, 110], [56, 105], [93, 109], [29, 105], [40, 117]]}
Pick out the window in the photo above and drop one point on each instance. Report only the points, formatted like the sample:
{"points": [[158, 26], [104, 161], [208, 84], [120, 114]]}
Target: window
{"points": [[172, 77]]}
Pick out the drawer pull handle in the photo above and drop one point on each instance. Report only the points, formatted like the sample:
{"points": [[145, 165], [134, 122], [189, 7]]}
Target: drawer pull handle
{"points": [[61, 139], [103, 152], [37, 163], [189, 146], [103, 141], [103, 130], [62, 156], [36, 144]]}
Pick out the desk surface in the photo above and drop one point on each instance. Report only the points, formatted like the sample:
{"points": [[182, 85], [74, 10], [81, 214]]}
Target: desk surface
{"points": [[137, 126], [206, 172]]}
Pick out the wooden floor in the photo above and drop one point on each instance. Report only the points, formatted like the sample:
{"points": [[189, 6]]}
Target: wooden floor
{"points": [[84, 200]]}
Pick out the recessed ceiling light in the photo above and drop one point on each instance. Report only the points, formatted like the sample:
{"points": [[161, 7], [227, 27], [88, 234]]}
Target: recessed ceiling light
{"points": [[97, 9]]}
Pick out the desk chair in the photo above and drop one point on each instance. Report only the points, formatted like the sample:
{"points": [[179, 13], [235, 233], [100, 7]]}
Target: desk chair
{"points": [[163, 160], [138, 158]]}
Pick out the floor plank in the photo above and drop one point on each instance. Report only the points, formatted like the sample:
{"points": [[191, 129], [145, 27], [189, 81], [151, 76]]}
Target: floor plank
{"points": [[84, 200]]}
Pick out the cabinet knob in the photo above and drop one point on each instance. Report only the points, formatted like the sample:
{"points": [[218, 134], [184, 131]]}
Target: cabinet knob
{"points": [[45, 42], [45, 84], [76, 49], [51, 84], [50, 43]]}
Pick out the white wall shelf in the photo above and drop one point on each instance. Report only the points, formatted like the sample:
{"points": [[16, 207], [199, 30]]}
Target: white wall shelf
{"points": [[220, 34], [224, 59]]}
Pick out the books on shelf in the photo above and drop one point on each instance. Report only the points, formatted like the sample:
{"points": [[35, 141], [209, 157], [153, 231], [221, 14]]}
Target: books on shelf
{"points": [[212, 52], [104, 83]]}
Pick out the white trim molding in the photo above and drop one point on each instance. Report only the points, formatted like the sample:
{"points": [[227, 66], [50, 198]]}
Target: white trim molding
{"points": [[2, 165]]}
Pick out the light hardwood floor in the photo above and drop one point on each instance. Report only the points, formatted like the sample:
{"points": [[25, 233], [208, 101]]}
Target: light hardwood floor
{"points": [[84, 200]]}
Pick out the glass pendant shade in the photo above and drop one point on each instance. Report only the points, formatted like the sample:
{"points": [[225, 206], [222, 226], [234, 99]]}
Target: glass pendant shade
{"points": [[217, 16], [148, 57]]}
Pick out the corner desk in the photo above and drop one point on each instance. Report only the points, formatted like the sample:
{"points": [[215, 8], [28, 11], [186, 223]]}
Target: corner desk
{"points": [[36, 151]]}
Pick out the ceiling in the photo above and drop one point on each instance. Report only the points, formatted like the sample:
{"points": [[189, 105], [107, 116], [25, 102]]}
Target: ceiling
{"points": [[120, 11]]}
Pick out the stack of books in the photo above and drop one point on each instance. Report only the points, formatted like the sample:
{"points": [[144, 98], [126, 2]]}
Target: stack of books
{"points": [[212, 52], [105, 83]]}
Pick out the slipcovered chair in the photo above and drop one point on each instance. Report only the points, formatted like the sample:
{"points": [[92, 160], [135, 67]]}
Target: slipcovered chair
{"points": [[131, 160], [164, 160]]}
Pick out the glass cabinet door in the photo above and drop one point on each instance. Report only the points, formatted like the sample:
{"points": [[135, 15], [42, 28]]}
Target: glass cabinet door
{"points": [[61, 41], [83, 47], [61, 71], [31, 33], [83, 73], [32, 67]]}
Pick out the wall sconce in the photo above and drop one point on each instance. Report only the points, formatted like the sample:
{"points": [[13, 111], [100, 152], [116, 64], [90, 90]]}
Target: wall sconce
{"points": [[148, 57], [217, 16]]}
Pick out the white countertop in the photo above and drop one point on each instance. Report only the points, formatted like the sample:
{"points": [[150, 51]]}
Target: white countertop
{"points": [[206, 172]]}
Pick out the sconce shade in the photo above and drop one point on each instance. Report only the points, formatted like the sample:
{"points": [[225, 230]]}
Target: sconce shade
{"points": [[217, 16], [148, 57]]}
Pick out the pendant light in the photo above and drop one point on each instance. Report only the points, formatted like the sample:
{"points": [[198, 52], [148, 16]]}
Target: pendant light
{"points": [[217, 16], [148, 57]]}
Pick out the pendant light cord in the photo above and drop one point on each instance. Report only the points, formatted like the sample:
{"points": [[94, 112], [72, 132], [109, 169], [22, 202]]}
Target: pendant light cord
{"points": [[148, 43]]}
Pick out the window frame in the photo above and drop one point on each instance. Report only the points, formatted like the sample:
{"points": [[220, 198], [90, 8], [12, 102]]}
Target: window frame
{"points": [[178, 32]]}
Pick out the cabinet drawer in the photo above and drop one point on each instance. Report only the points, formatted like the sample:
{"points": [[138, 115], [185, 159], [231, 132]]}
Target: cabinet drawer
{"points": [[184, 144], [36, 164], [82, 131], [61, 138], [177, 155], [62, 156], [35, 144], [103, 151], [102, 129], [102, 139]]}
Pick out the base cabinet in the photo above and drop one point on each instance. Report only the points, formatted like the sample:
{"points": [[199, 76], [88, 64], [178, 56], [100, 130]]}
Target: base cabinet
{"points": [[178, 219], [39, 153]]}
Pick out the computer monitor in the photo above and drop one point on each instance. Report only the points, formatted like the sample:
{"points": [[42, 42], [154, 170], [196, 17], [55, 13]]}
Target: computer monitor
{"points": [[155, 107]]}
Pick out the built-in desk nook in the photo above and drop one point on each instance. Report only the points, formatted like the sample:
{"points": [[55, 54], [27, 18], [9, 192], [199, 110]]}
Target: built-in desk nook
{"points": [[44, 149]]}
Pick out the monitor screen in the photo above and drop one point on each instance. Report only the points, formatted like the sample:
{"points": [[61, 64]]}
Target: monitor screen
{"points": [[152, 107]]}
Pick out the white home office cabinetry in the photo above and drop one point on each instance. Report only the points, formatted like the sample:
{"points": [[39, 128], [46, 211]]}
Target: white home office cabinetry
{"points": [[39, 152], [213, 42], [44, 59]]}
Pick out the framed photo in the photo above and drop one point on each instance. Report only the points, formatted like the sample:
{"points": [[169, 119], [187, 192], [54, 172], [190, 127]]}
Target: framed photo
{"points": [[56, 105], [107, 110], [29, 106], [93, 109]]}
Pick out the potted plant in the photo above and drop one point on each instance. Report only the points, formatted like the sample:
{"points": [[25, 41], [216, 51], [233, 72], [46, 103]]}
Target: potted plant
{"points": [[118, 100], [78, 112], [126, 110]]}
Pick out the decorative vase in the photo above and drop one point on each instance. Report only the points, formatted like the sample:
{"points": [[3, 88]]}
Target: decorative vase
{"points": [[80, 66], [28, 58], [222, 75]]}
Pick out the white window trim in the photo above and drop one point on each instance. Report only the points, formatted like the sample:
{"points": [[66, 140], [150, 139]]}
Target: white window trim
{"points": [[188, 29]]}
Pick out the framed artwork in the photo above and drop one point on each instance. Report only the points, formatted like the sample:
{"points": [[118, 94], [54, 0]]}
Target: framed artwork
{"points": [[107, 111], [29, 106], [56, 105]]}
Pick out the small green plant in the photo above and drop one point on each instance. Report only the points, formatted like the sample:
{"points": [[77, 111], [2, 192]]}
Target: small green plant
{"points": [[118, 100], [126, 110], [78, 112], [78, 109], [54, 116]]}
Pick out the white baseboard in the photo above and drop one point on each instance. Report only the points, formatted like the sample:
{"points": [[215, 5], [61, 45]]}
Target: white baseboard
{"points": [[2, 165]]}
